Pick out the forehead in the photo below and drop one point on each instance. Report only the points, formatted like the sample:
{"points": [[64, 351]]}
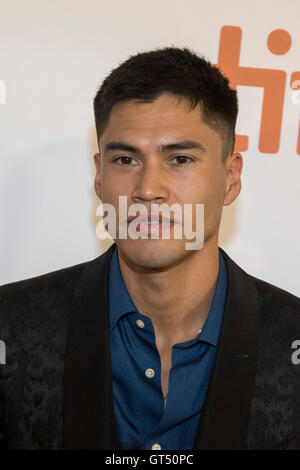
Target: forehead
{"points": [[168, 117], [168, 108]]}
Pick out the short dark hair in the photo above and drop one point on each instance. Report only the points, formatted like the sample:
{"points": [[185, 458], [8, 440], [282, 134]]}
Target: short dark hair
{"points": [[180, 71]]}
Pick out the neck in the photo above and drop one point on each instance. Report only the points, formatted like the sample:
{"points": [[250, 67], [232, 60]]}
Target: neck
{"points": [[177, 300]]}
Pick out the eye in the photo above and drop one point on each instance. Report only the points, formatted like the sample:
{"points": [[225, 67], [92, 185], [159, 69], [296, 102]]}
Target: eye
{"points": [[126, 160], [182, 159]]}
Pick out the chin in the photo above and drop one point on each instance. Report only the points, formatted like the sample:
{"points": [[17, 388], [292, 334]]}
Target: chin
{"points": [[153, 254]]}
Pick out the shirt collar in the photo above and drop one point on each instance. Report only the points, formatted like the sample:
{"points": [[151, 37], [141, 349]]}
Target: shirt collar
{"points": [[212, 327], [120, 302]]}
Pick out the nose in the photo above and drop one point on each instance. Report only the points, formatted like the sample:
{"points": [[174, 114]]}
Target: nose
{"points": [[151, 184]]}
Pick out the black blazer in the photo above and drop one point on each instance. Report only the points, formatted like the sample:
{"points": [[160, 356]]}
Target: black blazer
{"points": [[56, 385]]}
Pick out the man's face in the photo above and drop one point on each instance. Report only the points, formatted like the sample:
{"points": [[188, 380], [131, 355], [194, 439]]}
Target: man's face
{"points": [[144, 169]]}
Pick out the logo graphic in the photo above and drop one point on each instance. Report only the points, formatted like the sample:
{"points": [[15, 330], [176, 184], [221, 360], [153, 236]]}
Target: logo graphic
{"points": [[296, 95], [272, 81]]}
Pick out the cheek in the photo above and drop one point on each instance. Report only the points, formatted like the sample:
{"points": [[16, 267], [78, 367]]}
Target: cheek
{"points": [[204, 188], [112, 186], [209, 190]]}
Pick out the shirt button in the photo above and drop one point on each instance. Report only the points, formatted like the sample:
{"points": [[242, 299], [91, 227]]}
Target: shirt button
{"points": [[140, 323], [149, 373], [156, 446]]}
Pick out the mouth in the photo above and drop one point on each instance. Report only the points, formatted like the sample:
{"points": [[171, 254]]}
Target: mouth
{"points": [[151, 220], [152, 225]]}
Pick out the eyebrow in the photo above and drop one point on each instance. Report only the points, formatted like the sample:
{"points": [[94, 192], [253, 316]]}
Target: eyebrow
{"points": [[181, 145]]}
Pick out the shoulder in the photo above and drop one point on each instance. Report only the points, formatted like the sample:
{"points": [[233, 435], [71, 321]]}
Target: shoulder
{"points": [[51, 293], [35, 314], [278, 307], [272, 297], [19, 291], [42, 300], [279, 319], [269, 295]]}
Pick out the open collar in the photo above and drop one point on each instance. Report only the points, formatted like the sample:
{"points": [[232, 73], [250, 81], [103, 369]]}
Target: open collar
{"points": [[121, 303], [88, 393]]}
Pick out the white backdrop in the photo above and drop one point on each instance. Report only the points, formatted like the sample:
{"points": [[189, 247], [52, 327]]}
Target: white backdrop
{"points": [[53, 57]]}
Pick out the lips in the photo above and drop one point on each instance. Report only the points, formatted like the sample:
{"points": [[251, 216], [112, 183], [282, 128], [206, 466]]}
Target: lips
{"points": [[147, 219], [154, 225]]}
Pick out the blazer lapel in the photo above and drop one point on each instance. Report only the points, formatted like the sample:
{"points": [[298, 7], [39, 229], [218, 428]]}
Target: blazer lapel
{"points": [[88, 396], [223, 421]]}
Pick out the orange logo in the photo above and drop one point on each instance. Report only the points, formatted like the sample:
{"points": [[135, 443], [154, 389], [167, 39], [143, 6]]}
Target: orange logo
{"points": [[272, 81]]}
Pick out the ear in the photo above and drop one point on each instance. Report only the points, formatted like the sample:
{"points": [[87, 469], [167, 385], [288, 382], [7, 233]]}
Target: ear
{"points": [[97, 184], [234, 166]]}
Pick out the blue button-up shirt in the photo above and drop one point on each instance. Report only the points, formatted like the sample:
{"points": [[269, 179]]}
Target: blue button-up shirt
{"points": [[141, 418]]}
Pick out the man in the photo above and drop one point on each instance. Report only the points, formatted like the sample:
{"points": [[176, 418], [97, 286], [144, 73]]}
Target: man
{"points": [[153, 345]]}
